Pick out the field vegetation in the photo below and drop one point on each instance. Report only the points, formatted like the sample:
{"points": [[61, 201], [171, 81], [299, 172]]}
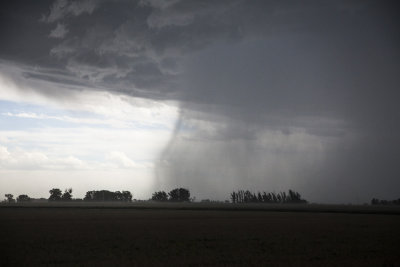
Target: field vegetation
{"points": [[196, 234]]}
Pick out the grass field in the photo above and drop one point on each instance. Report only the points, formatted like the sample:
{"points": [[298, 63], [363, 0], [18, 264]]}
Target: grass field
{"points": [[100, 234]]}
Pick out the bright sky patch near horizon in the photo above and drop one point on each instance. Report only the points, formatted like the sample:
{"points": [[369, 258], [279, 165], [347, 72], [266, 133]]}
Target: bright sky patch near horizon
{"points": [[100, 141]]}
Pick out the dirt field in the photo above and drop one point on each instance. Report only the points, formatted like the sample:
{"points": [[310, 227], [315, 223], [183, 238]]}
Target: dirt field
{"points": [[100, 236]]}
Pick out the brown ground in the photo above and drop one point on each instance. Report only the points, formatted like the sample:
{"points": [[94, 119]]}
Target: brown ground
{"points": [[141, 237]]}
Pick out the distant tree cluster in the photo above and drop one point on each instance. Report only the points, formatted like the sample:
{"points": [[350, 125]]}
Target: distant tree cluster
{"points": [[175, 195], [159, 196], [105, 195], [57, 195], [376, 201], [243, 196], [9, 198], [20, 198], [23, 198]]}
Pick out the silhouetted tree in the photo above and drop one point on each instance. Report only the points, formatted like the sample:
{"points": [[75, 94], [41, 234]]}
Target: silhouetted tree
{"points": [[67, 196], [274, 198], [284, 197], [234, 197], [159, 196], [10, 198], [179, 195], [89, 196], [23, 198], [247, 196], [126, 196], [118, 196], [241, 196], [279, 198], [55, 194], [259, 197]]}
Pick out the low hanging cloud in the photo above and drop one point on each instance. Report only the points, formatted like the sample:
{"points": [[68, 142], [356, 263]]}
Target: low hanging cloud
{"points": [[320, 79]]}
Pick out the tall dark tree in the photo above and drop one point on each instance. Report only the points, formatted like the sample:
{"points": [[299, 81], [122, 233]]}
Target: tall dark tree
{"points": [[259, 197], [179, 195], [55, 194], [10, 198], [67, 196], [126, 196], [160, 196], [23, 198], [234, 197]]}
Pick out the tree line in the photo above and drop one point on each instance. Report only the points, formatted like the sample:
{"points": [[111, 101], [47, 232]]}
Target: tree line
{"points": [[175, 195], [105, 195], [178, 195], [242, 196], [57, 195], [94, 195], [376, 201], [20, 198]]}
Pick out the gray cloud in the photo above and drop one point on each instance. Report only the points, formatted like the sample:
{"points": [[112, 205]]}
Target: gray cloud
{"points": [[64, 8], [59, 31], [315, 72]]}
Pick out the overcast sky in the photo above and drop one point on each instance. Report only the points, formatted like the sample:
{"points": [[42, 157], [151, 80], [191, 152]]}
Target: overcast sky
{"points": [[213, 96]]}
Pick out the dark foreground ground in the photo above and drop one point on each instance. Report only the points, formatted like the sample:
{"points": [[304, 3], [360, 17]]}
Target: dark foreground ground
{"points": [[188, 236]]}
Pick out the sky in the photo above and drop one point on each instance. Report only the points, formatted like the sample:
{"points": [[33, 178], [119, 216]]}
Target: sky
{"points": [[213, 96]]}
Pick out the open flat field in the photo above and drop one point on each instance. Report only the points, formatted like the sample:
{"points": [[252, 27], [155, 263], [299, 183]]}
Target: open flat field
{"points": [[198, 235]]}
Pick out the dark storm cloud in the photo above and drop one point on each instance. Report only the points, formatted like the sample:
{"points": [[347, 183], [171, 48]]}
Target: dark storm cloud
{"points": [[226, 52], [301, 72]]}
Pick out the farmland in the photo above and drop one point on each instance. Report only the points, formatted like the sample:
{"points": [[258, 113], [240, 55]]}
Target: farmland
{"points": [[198, 235]]}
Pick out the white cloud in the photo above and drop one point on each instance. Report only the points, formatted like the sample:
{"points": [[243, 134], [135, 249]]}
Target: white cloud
{"points": [[69, 119], [4, 154], [20, 159], [117, 110], [123, 161], [93, 144]]}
